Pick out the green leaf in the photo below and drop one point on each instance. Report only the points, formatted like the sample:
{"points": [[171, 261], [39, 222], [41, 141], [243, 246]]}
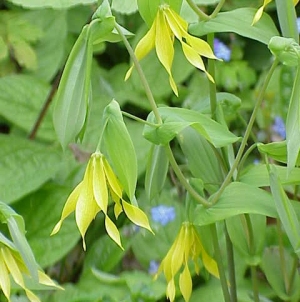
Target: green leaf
{"points": [[124, 7], [273, 270], [249, 243], [258, 176], [25, 166], [56, 4], [21, 100], [73, 93], [237, 198], [285, 211], [3, 49], [120, 148], [238, 21], [201, 159], [177, 119], [287, 19], [50, 49], [41, 211], [156, 171], [293, 123]]}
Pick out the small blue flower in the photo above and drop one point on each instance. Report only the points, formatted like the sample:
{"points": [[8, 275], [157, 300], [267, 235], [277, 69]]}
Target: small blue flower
{"points": [[298, 24], [153, 267], [279, 126], [221, 50], [163, 214]]}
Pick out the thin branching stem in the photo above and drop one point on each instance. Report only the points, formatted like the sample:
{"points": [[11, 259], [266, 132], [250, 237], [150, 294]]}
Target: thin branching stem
{"points": [[239, 155], [202, 15], [217, 9]]}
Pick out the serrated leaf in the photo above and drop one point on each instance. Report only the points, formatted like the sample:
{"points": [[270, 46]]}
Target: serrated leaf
{"points": [[120, 148], [25, 166], [238, 21], [21, 100], [56, 4]]}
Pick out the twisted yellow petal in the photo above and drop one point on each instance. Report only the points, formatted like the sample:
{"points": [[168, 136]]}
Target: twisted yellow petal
{"points": [[185, 283], [4, 279], [113, 232], [171, 290], [260, 11]]}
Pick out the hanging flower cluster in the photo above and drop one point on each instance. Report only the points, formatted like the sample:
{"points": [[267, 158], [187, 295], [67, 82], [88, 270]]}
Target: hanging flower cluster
{"points": [[167, 25], [13, 266], [91, 196], [186, 246]]}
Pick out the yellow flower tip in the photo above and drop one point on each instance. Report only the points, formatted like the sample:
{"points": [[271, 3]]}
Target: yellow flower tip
{"points": [[56, 228], [46, 280], [113, 232], [128, 73]]}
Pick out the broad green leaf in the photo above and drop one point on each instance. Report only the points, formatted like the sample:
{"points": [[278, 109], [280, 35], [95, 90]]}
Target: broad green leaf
{"points": [[41, 210], [237, 198], [25, 166], [56, 4], [249, 243], [21, 100], [293, 123], [177, 119], [271, 265], [73, 93], [156, 171], [238, 21], [285, 211], [201, 159], [258, 176], [3, 49], [50, 49], [120, 148], [124, 7], [287, 19], [277, 151]]}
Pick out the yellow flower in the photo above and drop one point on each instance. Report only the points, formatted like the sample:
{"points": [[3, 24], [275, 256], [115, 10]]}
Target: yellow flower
{"points": [[167, 25], [91, 196], [186, 245], [12, 265], [259, 12]]}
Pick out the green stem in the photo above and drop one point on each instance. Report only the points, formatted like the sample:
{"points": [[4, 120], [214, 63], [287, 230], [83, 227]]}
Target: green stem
{"points": [[217, 9], [141, 74], [235, 164], [231, 267], [183, 180], [202, 15], [212, 86], [218, 256], [133, 117], [254, 283], [293, 274]]}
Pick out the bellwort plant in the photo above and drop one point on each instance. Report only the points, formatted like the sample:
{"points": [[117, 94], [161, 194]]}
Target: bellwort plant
{"points": [[162, 154]]}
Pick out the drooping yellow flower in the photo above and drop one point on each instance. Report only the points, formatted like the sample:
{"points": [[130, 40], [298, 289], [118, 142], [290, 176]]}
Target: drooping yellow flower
{"points": [[187, 245], [167, 25], [12, 265], [259, 12], [91, 196]]}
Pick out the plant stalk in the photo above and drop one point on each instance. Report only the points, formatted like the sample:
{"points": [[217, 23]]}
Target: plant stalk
{"points": [[202, 15]]}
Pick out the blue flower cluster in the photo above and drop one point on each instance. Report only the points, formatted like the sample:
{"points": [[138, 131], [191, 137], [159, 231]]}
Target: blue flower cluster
{"points": [[163, 214], [279, 126], [153, 267], [221, 50]]}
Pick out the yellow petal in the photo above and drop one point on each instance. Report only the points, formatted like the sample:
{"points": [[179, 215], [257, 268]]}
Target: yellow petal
{"points": [[296, 2], [210, 264], [12, 266], [171, 290], [113, 182], [185, 283], [194, 58], [164, 47], [175, 26], [145, 45], [46, 280], [259, 12], [4, 279], [180, 21], [202, 47], [136, 215], [99, 183], [31, 296], [86, 207], [113, 232], [69, 207], [178, 252], [118, 209]]}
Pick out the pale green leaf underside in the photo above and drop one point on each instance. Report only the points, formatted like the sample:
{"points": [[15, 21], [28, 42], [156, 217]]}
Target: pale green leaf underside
{"points": [[57, 4]]}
